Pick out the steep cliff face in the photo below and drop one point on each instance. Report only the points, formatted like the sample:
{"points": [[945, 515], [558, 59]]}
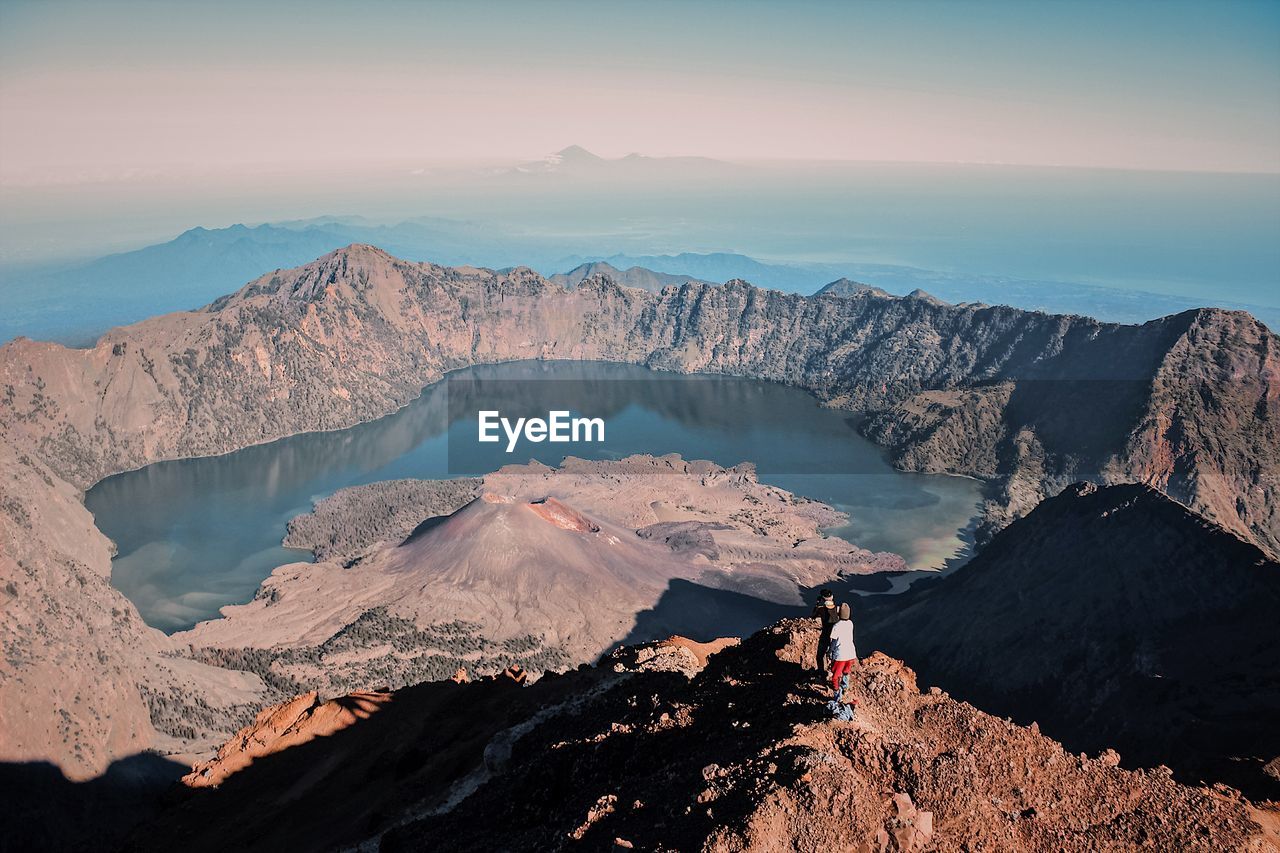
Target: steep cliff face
{"points": [[1210, 430], [1031, 401], [1113, 617], [70, 669], [664, 748], [83, 680]]}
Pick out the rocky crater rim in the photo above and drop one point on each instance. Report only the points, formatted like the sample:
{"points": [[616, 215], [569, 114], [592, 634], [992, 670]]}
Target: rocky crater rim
{"points": [[1029, 402]]}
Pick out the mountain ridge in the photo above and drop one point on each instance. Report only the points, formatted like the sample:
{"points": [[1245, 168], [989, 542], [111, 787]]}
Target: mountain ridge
{"points": [[845, 287], [574, 160], [633, 276], [1079, 354], [203, 263]]}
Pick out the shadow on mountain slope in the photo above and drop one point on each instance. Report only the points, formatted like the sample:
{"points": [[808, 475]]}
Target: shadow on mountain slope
{"points": [[41, 809], [703, 613], [666, 749], [337, 788], [746, 756]]}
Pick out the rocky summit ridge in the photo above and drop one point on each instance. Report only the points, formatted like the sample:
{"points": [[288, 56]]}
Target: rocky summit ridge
{"points": [[681, 746]]}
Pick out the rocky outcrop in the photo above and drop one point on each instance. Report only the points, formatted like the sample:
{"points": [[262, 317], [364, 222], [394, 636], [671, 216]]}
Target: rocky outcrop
{"points": [[674, 654], [1030, 401], [1114, 617], [279, 727], [744, 755]]}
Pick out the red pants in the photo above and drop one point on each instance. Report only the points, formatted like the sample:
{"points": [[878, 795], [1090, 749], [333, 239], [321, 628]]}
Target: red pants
{"points": [[839, 668]]}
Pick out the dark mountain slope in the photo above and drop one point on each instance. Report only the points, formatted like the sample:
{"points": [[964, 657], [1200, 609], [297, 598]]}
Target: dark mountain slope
{"points": [[1113, 617]]}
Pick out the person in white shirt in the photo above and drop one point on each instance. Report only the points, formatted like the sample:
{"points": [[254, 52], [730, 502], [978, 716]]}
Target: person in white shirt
{"points": [[842, 651]]}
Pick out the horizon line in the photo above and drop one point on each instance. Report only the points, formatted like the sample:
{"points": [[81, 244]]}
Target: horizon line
{"points": [[138, 173]]}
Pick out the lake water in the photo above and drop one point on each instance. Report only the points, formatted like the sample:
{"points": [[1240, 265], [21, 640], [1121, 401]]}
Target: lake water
{"points": [[197, 534]]}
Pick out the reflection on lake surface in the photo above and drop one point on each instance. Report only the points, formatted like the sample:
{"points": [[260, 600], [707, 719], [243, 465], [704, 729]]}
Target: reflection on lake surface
{"points": [[197, 534]]}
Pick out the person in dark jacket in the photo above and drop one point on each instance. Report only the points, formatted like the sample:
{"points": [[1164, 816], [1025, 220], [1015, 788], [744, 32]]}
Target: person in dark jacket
{"points": [[842, 651], [828, 615]]}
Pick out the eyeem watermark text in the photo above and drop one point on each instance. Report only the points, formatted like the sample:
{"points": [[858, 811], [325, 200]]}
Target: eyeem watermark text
{"points": [[558, 426]]}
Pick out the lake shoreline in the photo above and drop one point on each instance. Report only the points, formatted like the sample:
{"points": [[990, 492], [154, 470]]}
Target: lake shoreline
{"points": [[306, 480]]}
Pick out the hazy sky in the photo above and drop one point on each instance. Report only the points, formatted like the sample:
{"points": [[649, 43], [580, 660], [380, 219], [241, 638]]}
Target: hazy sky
{"points": [[94, 90]]}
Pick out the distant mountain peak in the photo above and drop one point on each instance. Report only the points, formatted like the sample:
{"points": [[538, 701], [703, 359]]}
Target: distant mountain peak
{"points": [[576, 153], [924, 296], [848, 287], [633, 276], [634, 165], [574, 156]]}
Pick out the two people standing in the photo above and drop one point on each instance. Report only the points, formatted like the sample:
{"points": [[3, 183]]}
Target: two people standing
{"points": [[836, 640]]}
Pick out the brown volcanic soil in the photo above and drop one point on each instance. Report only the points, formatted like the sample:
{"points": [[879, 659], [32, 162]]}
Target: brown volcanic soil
{"points": [[742, 756]]}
